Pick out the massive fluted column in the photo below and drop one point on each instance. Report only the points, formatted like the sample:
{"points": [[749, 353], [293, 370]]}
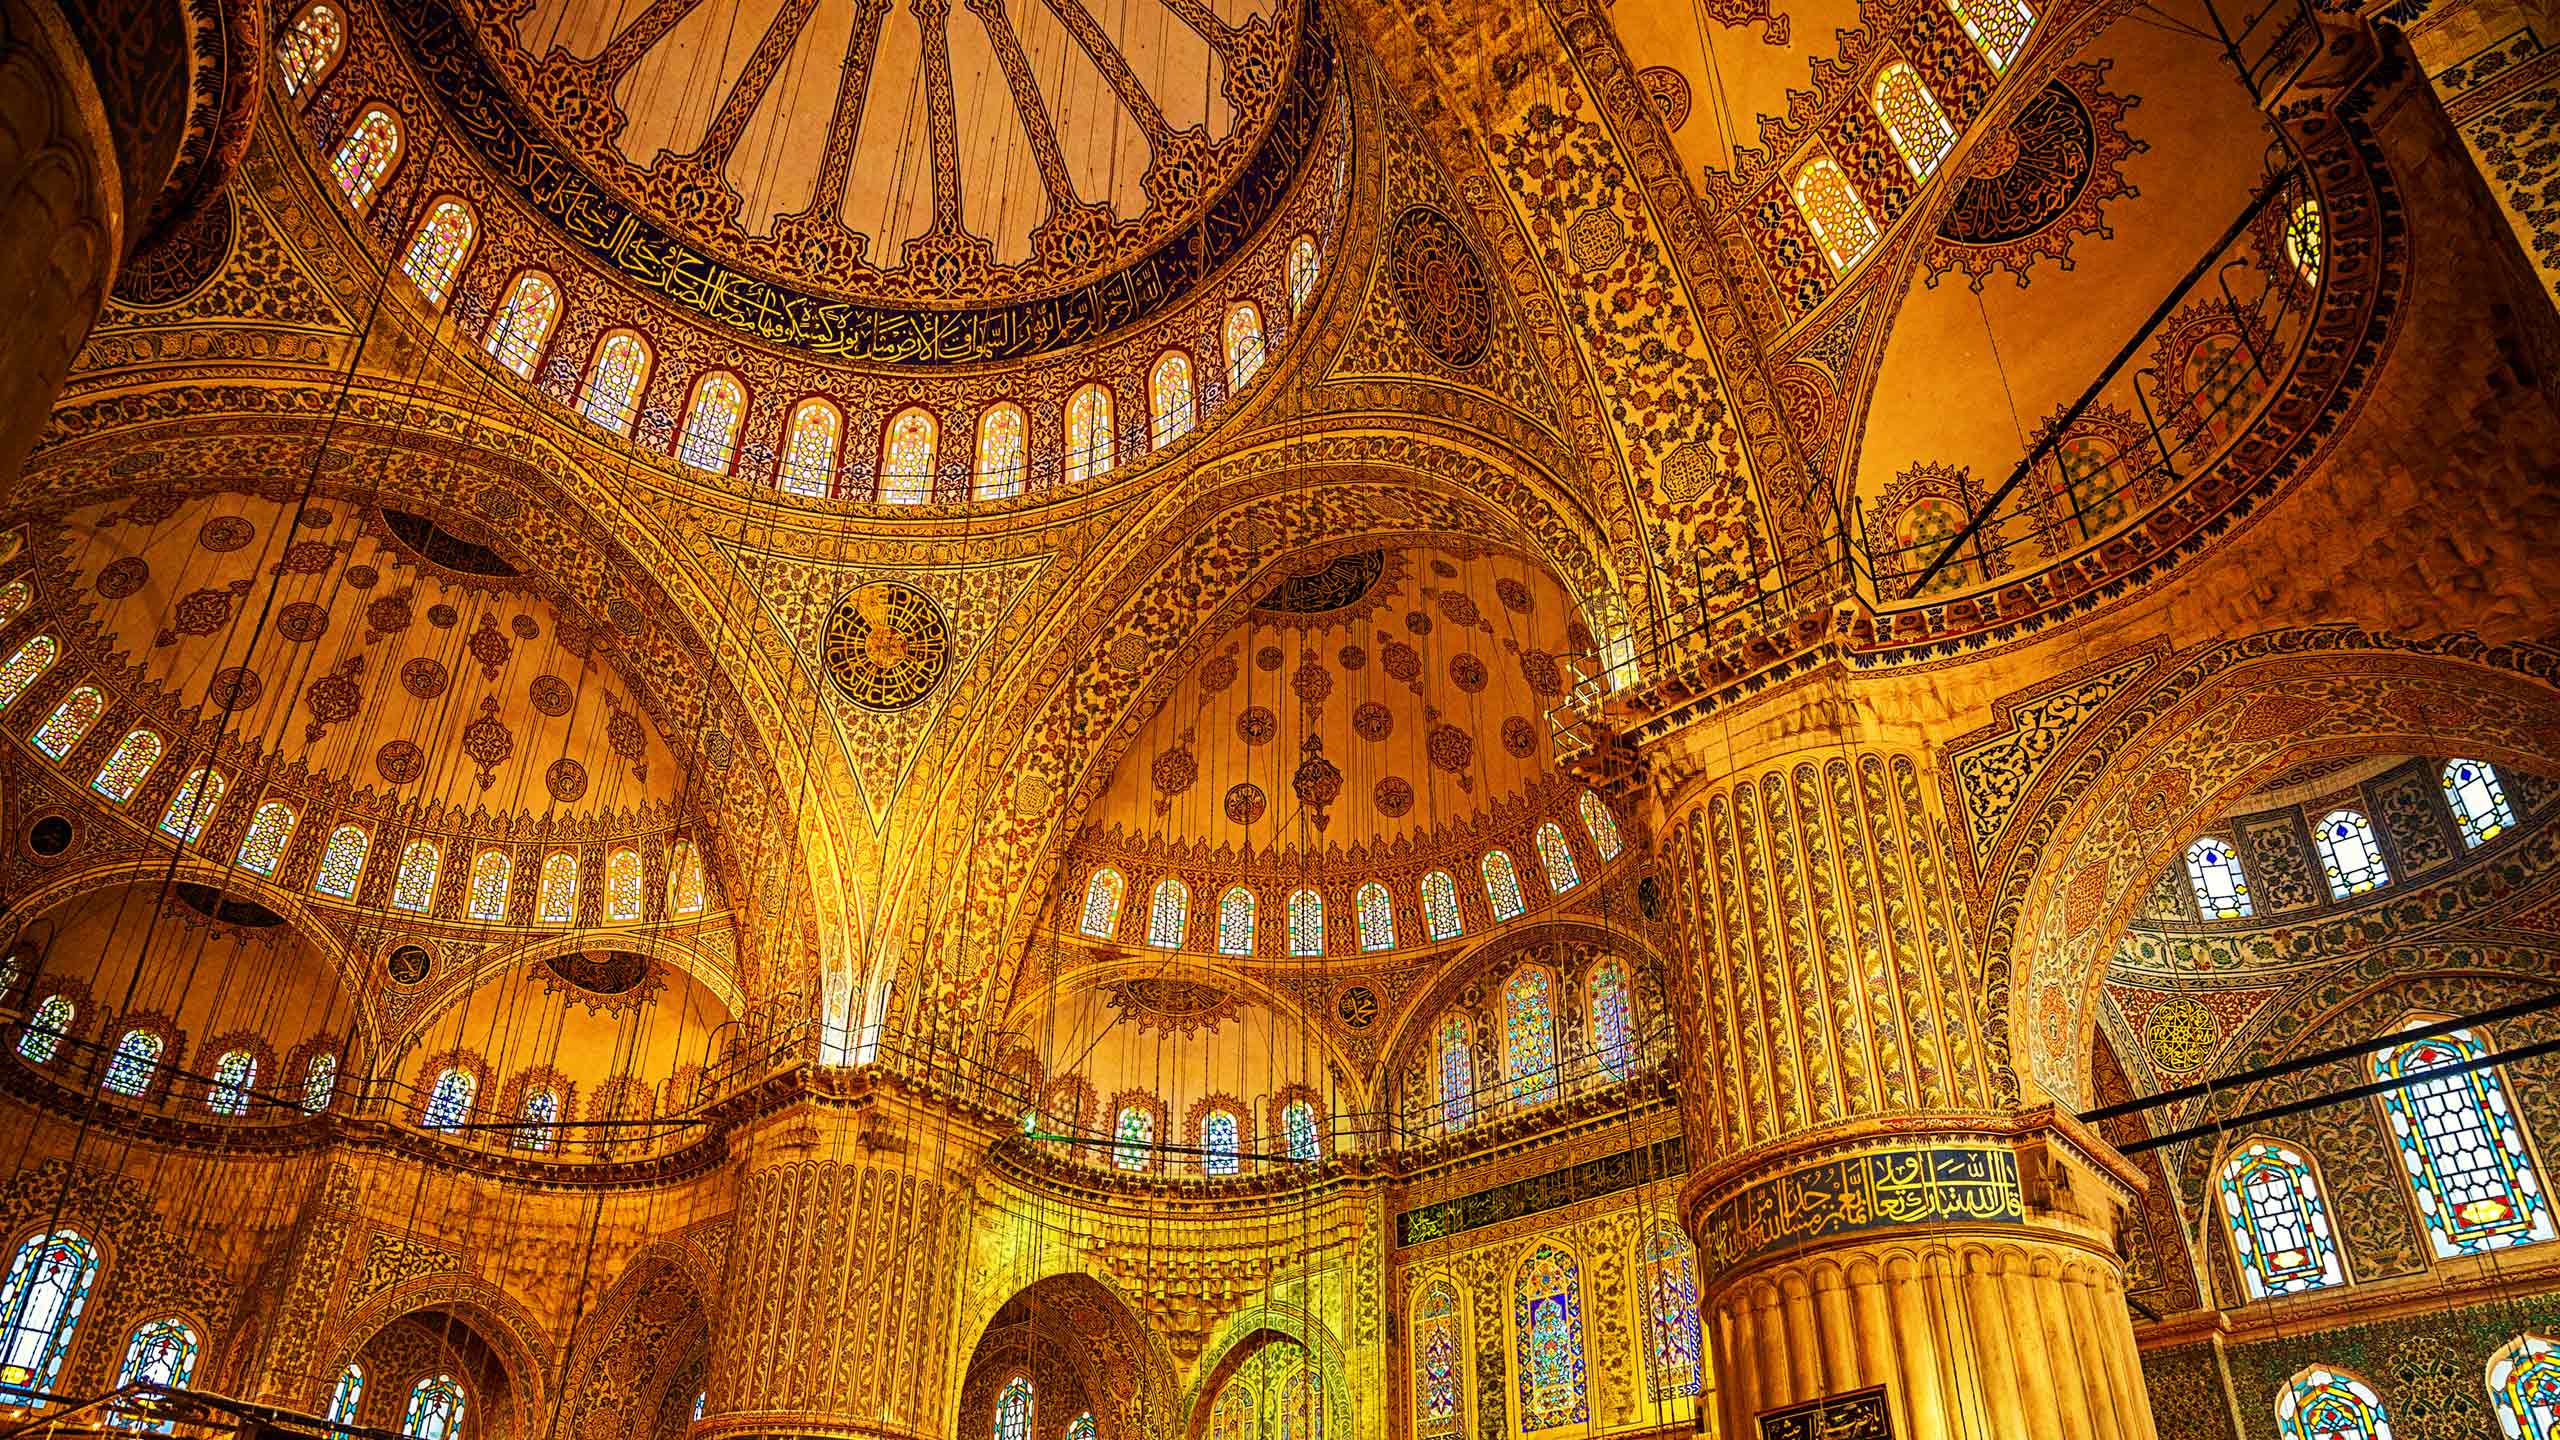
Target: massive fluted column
{"points": [[61, 215]]}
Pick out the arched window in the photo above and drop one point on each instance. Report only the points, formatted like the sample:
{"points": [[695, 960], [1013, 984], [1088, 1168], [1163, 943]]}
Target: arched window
{"points": [[1671, 1312], [1168, 914], [365, 156], [197, 797], [614, 380], [541, 1113], [1235, 921], [1222, 1138], [684, 880], [436, 251], [701, 1399], [342, 862], [1306, 923], [811, 444], [491, 871], [1102, 895], [622, 885], [1301, 1407], [1998, 27], [1377, 916], [449, 1099], [558, 900], [1303, 264], [1557, 857], [135, 1063], [1081, 1428], [2214, 873], [319, 1080], [1830, 204], [45, 1029], [906, 457], [1912, 117], [1529, 1034], [348, 1394], [309, 49], [125, 770], [69, 721], [1601, 825], [2524, 1383], [40, 1307], [1244, 345], [1088, 433], [1004, 435], [33, 659], [1298, 1123], [15, 597], [1546, 1318], [2303, 237], [1457, 1074], [1134, 1130], [1171, 411], [2349, 854], [2325, 1404], [1013, 1410], [1437, 1364], [162, 1352], [2279, 1228], [1613, 1026], [2462, 1148], [1440, 906], [415, 887], [262, 844], [1502, 885], [235, 1075], [523, 323], [1237, 1415], [2471, 788], [710, 438], [435, 1410]]}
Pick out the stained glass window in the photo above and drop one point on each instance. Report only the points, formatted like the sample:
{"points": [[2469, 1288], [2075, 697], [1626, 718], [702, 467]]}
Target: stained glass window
{"points": [[1671, 1300], [449, 1099], [1602, 826], [1831, 206], [365, 156], [435, 1410], [2524, 1383], [1912, 117], [1457, 1074], [2303, 234], [1502, 885], [1168, 914], [33, 659], [701, 1399], [1081, 1428], [234, 1076], [2462, 1148], [1440, 906], [1998, 27], [1557, 857], [1170, 408], [1377, 916], [523, 322], [1089, 442], [559, 897], [622, 885], [1298, 1122], [710, 436], [348, 1394], [1244, 345], [906, 458], [135, 1061], [1301, 1407], [1003, 445], [613, 383], [1013, 1410], [1135, 1130], [2478, 801], [2325, 1404], [815, 438], [2349, 854], [2279, 1227], [342, 862], [1102, 903], [45, 1029], [415, 887], [2214, 873], [1235, 921], [1547, 1321], [1529, 1034], [48, 1287], [684, 888], [491, 870], [123, 773], [69, 721], [262, 844], [1613, 1027], [319, 1081], [309, 48], [197, 798], [1220, 1137], [1235, 1416], [541, 1112], [15, 597], [1437, 1364], [1302, 272], [1306, 923], [436, 251]]}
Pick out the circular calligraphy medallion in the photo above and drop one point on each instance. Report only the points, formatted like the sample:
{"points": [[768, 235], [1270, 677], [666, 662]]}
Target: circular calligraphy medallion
{"points": [[1441, 287], [2181, 1033], [887, 645]]}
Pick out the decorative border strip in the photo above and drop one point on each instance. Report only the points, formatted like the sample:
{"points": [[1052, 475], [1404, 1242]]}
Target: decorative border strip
{"points": [[1537, 1194], [1885, 1189]]}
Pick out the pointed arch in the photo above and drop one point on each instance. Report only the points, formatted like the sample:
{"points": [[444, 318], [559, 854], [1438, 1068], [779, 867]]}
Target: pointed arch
{"points": [[1013, 1410], [1003, 457], [42, 1035], [134, 1065], [1172, 407], [134, 759], [346, 1395], [1168, 914], [69, 721], [1529, 1033], [2524, 1385], [1911, 116], [1236, 916], [437, 250], [1556, 857], [711, 419], [342, 862], [40, 1308], [1304, 263], [450, 1098], [435, 1409], [2278, 1223], [310, 49], [1221, 1142], [907, 449], [2463, 1150], [1613, 1027], [1089, 436], [235, 1078], [523, 324], [262, 844], [1439, 1360], [365, 156], [1671, 1313], [1600, 825], [811, 445], [1102, 896], [614, 380], [1457, 1073], [684, 880], [1547, 1345]]}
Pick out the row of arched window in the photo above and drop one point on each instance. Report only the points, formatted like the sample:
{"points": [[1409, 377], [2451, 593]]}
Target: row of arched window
{"points": [[1525, 1043], [1547, 1337], [2350, 854], [1221, 1140], [136, 1061], [1286, 1404], [2326, 1402], [452, 1101], [1015, 1405], [1168, 915]]}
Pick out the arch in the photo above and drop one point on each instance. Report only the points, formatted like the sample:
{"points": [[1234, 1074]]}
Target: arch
{"points": [[521, 329], [450, 1098], [1556, 857], [709, 440], [684, 880], [811, 445], [342, 862], [319, 1080], [1831, 207], [2524, 1385], [1440, 916], [133, 1068], [1237, 911], [557, 899], [1547, 1339], [2215, 875], [1919, 129], [15, 597], [1304, 265], [1089, 435], [1081, 1428], [1301, 1125], [1242, 336], [1439, 1359], [40, 1308], [1999, 28], [2279, 1225], [435, 1409], [2478, 800], [2463, 1150], [69, 721], [1136, 1121], [235, 1079], [193, 804], [2305, 239], [136, 755], [1457, 1073], [1529, 1034], [537, 1115], [1376, 914], [1221, 1142], [1306, 922], [623, 900], [1102, 894], [1003, 456], [1172, 399], [1673, 1339], [1613, 1026], [1600, 825], [309, 49], [1168, 914], [492, 871], [46, 1028], [437, 250], [415, 887], [365, 156], [31, 660], [614, 380], [346, 1395], [262, 844], [160, 1352], [1081, 1339], [2321, 1403], [2350, 854], [907, 449], [1502, 885], [1014, 1409], [513, 1336]]}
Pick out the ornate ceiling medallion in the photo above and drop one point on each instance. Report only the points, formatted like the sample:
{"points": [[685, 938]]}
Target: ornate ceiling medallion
{"points": [[1338, 584], [2033, 188], [603, 981], [1441, 286], [1173, 1007], [887, 644]]}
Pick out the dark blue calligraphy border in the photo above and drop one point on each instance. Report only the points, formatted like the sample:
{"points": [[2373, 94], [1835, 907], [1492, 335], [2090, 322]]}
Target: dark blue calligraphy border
{"points": [[1538, 1194]]}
